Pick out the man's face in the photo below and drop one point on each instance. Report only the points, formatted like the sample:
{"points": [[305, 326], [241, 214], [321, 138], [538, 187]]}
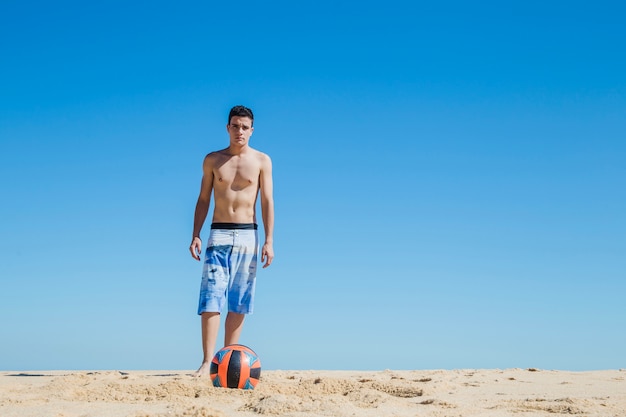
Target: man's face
{"points": [[240, 129]]}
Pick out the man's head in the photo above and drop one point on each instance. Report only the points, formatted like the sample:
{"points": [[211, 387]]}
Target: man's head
{"points": [[239, 126]]}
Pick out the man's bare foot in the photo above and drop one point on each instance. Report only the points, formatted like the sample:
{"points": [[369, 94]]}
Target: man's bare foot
{"points": [[204, 370]]}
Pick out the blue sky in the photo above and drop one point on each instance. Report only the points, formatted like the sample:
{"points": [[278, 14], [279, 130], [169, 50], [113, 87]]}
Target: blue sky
{"points": [[450, 181]]}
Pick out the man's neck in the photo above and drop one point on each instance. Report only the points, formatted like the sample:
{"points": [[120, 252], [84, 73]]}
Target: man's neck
{"points": [[237, 150]]}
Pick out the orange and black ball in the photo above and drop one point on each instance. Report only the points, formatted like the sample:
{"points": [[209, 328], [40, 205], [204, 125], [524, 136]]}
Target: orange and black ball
{"points": [[235, 366]]}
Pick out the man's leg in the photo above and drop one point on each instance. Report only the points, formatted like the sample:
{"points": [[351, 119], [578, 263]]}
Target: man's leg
{"points": [[210, 326], [232, 328], [241, 288]]}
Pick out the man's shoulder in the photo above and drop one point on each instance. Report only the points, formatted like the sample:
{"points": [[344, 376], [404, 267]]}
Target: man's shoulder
{"points": [[216, 155], [211, 160], [261, 155], [264, 161]]}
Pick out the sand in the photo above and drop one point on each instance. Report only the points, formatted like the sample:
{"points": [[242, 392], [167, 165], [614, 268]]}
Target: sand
{"points": [[518, 392]]}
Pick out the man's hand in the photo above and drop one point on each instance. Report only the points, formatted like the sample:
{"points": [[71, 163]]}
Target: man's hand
{"points": [[196, 248], [267, 254]]}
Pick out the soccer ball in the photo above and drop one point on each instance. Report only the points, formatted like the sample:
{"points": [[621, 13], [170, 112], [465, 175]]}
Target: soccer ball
{"points": [[235, 366]]}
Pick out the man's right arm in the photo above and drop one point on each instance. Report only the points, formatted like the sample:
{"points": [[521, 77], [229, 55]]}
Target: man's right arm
{"points": [[202, 207]]}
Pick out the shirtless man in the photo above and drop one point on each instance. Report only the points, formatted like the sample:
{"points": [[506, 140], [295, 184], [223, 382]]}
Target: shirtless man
{"points": [[235, 175]]}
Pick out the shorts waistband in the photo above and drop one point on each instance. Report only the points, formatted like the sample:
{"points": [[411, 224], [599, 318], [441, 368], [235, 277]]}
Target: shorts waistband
{"points": [[234, 226]]}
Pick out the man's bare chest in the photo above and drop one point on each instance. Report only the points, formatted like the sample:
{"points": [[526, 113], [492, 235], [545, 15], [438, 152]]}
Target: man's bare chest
{"points": [[237, 175]]}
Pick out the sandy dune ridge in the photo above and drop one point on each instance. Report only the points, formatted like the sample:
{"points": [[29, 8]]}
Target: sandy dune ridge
{"points": [[466, 392]]}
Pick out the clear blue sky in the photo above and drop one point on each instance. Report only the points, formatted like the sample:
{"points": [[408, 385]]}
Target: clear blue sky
{"points": [[450, 180]]}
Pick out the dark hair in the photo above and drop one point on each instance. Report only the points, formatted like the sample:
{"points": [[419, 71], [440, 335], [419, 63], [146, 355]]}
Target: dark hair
{"points": [[240, 111]]}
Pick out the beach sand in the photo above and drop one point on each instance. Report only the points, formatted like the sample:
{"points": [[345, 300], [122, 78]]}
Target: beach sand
{"points": [[467, 392]]}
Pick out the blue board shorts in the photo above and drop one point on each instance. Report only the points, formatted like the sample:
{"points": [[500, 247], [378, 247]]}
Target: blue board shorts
{"points": [[229, 271]]}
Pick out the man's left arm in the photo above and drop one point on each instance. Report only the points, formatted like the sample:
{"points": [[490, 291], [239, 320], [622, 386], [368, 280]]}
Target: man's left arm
{"points": [[267, 210]]}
